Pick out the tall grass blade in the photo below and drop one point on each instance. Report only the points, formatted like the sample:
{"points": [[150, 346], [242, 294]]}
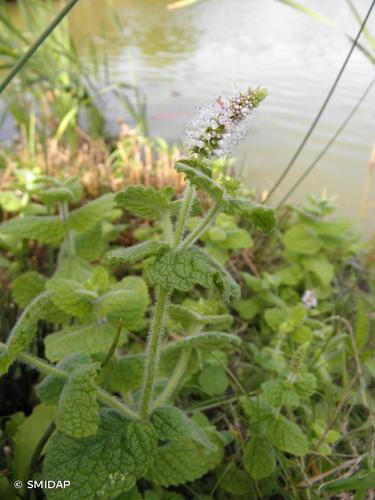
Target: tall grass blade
{"points": [[366, 32], [35, 46], [181, 4], [365, 51], [6, 22], [68, 119], [328, 145], [324, 105], [310, 12]]}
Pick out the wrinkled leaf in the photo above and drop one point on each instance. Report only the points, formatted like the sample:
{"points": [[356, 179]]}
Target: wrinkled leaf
{"points": [[135, 253], [77, 412], [44, 229], [100, 466], [144, 201], [259, 457]]}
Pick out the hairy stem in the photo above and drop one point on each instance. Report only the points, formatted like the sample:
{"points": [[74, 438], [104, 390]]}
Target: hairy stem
{"points": [[153, 350], [167, 227], [184, 213], [64, 214], [49, 369], [201, 227], [115, 403], [161, 306], [174, 380], [41, 365]]}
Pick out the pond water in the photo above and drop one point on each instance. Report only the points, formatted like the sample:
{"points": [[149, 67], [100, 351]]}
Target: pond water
{"points": [[183, 58]]}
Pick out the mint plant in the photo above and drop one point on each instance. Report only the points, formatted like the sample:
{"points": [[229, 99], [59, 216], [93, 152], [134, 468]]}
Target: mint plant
{"points": [[103, 444]]}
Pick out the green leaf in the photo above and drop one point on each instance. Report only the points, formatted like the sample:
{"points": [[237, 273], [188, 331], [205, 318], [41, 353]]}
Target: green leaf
{"points": [[296, 316], [77, 413], [236, 239], [285, 319], [168, 363], [186, 319], [301, 239], [10, 202], [259, 457], [83, 218], [213, 379], [27, 286], [44, 229], [254, 283], [361, 481], [71, 297], [204, 341], [235, 481], [124, 374], [53, 195], [99, 280], [196, 208], [333, 436], [183, 319], [305, 385], [256, 410], [91, 339], [275, 317], [321, 267], [126, 301], [74, 268], [7, 490], [280, 393], [183, 269], [201, 181], [115, 300], [226, 285], [247, 308], [178, 462], [134, 494], [135, 253], [90, 245], [27, 437], [6, 360], [216, 234], [286, 435], [144, 201], [100, 466], [23, 332], [261, 216], [75, 187], [172, 424], [290, 275], [49, 389]]}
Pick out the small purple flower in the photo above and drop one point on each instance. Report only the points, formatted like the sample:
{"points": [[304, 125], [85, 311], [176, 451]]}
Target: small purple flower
{"points": [[309, 299]]}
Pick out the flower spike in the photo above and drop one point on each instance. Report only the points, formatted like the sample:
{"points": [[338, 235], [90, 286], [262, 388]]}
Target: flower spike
{"points": [[218, 128]]}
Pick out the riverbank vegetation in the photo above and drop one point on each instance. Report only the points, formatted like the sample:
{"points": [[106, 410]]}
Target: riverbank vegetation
{"points": [[164, 333]]}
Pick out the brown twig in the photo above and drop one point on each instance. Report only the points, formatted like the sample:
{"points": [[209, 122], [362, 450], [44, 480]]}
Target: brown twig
{"points": [[349, 464], [336, 413], [246, 257]]}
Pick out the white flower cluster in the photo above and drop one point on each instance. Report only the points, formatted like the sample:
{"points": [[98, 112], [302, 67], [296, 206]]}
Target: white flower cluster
{"points": [[216, 130]]}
